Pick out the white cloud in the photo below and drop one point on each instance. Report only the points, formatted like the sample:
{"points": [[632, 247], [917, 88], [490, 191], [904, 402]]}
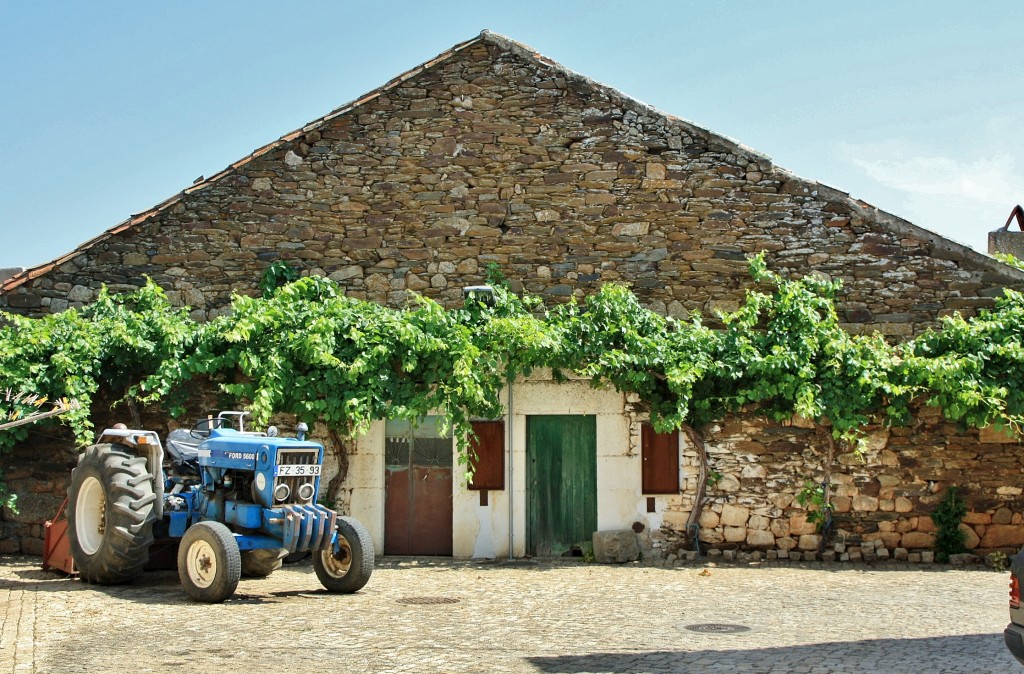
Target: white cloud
{"points": [[961, 198], [983, 179]]}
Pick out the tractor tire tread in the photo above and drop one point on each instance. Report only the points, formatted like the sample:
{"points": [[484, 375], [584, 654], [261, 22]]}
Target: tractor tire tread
{"points": [[362, 564], [133, 493], [124, 551], [142, 478], [134, 513], [229, 562]]}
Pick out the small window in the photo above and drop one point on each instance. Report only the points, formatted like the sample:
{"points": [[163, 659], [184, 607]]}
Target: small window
{"points": [[660, 456], [488, 464], [417, 443]]}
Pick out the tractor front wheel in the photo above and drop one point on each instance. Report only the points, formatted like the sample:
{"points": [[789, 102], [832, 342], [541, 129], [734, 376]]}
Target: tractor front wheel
{"points": [[346, 566], [209, 563], [110, 514]]}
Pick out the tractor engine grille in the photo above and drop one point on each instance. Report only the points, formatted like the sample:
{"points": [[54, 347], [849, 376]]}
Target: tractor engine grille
{"points": [[305, 456]]}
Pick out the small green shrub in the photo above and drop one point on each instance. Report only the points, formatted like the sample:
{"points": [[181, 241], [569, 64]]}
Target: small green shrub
{"points": [[998, 560], [276, 275], [949, 539], [812, 498]]}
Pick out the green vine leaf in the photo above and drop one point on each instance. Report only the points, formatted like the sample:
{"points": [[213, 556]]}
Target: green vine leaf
{"points": [[307, 349]]}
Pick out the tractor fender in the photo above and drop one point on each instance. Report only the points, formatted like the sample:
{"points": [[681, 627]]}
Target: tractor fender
{"points": [[146, 444]]}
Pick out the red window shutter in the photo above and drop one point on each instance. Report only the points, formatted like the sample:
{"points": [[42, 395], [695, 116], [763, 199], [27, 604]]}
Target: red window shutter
{"points": [[660, 457], [488, 464]]}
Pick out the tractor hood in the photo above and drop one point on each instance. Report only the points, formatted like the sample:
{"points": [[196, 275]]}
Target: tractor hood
{"points": [[227, 448]]}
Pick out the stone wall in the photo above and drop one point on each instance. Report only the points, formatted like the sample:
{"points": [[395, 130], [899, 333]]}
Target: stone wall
{"points": [[883, 501], [38, 471]]}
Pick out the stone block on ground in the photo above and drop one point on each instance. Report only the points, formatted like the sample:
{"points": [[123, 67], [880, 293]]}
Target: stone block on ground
{"points": [[615, 547], [964, 559]]}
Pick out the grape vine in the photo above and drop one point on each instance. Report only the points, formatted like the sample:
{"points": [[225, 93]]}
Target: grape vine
{"points": [[307, 350]]}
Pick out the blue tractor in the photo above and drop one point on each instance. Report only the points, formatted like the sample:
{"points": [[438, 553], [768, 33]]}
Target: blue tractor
{"points": [[239, 502]]}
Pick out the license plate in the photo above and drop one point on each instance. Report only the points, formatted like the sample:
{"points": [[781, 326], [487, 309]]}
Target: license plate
{"points": [[298, 470]]}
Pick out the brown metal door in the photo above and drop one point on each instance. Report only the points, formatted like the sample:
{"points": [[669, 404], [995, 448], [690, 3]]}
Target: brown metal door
{"points": [[418, 484]]}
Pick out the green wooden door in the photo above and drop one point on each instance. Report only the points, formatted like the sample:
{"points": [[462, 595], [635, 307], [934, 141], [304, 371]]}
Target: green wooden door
{"points": [[561, 504]]}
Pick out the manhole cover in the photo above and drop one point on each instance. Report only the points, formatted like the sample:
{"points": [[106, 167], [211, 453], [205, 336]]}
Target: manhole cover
{"points": [[427, 600], [718, 628]]}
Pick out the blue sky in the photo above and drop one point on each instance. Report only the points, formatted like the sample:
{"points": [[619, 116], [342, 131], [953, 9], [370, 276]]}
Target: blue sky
{"points": [[107, 108]]}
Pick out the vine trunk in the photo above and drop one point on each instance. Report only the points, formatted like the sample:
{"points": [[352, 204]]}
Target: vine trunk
{"points": [[693, 521], [339, 450]]}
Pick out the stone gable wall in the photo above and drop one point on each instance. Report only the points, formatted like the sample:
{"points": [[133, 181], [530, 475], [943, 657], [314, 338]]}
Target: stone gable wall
{"points": [[493, 157]]}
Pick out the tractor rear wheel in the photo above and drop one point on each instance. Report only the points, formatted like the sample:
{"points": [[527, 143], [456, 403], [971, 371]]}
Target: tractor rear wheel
{"points": [[262, 563], [209, 563], [346, 566], [110, 514]]}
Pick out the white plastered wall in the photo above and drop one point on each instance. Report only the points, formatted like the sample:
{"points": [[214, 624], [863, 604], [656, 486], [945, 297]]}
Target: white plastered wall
{"points": [[366, 481], [483, 531]]}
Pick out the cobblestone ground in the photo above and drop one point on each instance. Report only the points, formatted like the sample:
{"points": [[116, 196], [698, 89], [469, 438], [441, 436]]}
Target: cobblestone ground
{"points": [[516, 617]]}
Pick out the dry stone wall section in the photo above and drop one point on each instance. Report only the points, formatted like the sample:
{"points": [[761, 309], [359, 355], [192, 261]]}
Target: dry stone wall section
{"points": [[882, 500]]}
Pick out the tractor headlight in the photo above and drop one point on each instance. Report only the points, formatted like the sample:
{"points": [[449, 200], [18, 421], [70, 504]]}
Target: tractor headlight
{"points": [[281, 492], [306, 491]]}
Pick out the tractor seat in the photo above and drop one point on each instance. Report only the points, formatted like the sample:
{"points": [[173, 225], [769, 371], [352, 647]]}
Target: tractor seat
{"points": [[183, 447]]}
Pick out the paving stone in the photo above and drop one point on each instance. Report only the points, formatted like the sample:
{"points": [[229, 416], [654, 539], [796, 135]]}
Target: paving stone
{"points": [[521, 616]]}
